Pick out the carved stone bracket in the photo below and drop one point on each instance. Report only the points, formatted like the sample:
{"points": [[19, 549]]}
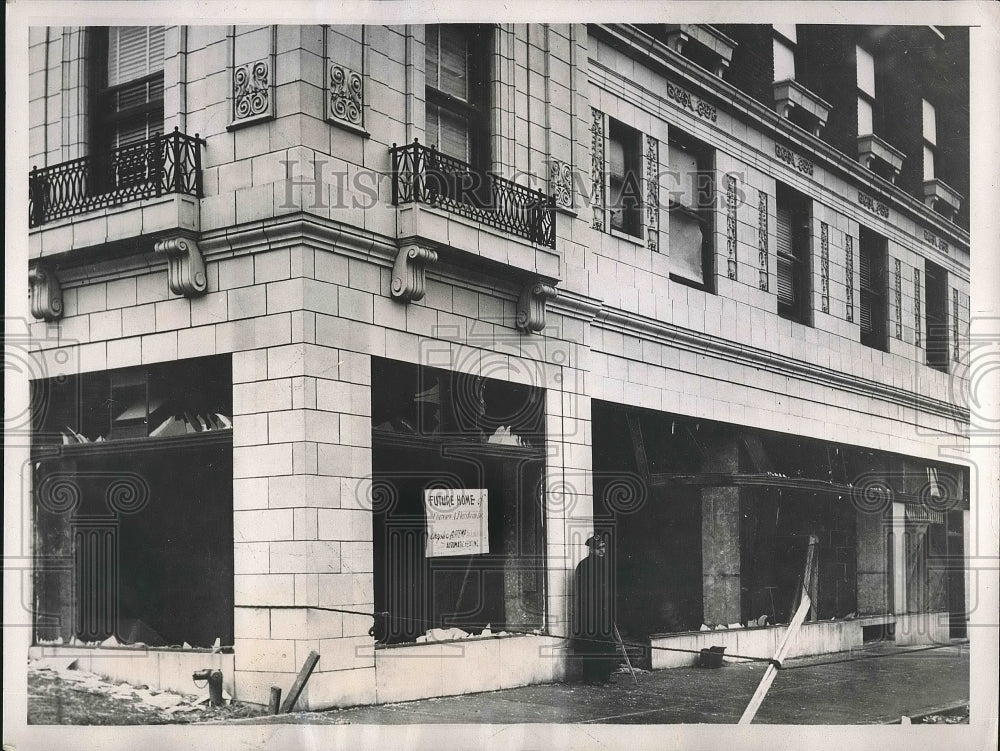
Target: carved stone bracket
{"points": [[185, 266], [46, 294], [531, 306], [408, 272]]}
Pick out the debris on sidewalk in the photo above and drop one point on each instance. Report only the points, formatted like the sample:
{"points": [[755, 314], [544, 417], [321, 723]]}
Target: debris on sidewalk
{"points": [[60, 693], [958, 716]]}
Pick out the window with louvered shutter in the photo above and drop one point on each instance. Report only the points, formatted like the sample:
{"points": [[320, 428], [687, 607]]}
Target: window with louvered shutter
{"points": [[134, 52], [865, 268], [792, 235], [786, 256], [872, 292], [129, 103], [936, 307], [456, 74]]}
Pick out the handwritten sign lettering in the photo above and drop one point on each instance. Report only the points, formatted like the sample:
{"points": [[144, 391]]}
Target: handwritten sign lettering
{"points": [[457, 522]]}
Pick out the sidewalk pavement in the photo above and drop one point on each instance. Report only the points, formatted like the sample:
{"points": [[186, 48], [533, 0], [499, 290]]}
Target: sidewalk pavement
{"points": [[878, 684]]}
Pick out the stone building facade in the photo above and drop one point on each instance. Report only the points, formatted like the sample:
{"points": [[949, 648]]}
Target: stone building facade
{"points": [[666, 282]]}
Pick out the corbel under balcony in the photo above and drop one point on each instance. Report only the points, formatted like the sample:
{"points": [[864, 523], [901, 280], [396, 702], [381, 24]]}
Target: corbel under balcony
{"points": [[941, 197], [408, 272], [185, 266], [873, 150], [46, 294], [531, 305], [717, 45], [790, 95]]}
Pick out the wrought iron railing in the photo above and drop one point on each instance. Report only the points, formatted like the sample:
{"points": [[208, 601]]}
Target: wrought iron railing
{"points": [[169, 163], [421, 174]]}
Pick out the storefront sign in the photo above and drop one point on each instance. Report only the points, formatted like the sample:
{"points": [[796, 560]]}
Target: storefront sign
{"points": [[457, 522]]}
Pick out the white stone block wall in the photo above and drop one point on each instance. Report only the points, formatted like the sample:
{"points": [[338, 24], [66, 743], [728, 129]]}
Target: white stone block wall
{"points": [[303, 316]]}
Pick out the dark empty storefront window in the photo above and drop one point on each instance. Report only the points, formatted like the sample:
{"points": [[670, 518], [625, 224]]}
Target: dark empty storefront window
{"points": [[133, 505], [458, 506]]}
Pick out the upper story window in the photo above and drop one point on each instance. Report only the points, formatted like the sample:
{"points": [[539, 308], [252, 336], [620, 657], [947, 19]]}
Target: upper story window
{"points": [[624, 182], [866, 92], [129, 82], [784, 43], [691, 201], [936, 307], [929, 129], [874, 289], [793, 254], [457, 93], [792, 100]]}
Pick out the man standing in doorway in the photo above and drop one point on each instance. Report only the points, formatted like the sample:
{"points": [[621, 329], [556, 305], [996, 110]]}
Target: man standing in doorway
{"points": [[593, 614]]}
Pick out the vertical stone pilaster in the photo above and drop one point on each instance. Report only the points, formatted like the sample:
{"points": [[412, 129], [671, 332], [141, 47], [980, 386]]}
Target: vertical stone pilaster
{"points": [[898, 558], [302, 522], [720, 540], [873, 556], [569, 498]]}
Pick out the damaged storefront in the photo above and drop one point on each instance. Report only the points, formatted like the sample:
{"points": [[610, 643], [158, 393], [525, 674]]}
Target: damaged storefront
{"points": [[459, 525], [718, 527], [133, 506]]}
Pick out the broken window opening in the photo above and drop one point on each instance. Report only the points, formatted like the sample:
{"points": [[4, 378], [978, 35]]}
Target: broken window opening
{"points": [[138, 528], [453, 434]]}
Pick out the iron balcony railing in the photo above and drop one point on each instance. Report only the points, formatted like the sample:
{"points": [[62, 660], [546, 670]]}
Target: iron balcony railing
{"points": [[421, 174], [163, 164]]}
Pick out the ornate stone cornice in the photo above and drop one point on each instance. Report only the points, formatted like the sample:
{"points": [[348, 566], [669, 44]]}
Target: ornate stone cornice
{"points": [[531, 306], [46, 294], [408, 272], [185, 266]]}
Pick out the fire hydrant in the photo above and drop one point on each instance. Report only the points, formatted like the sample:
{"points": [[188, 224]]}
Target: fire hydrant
{"points": [[214, 678]]}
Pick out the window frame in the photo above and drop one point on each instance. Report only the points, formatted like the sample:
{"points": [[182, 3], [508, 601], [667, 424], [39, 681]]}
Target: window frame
{"points": [[476, 110], [107, 120], [703, 212], [870, 98], [929, 139], [632, 151], [936, 310], [875, 293], [799, 309], [781, 38]]}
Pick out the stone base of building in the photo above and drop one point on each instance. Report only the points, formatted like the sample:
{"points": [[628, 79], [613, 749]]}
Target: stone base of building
{"points": [[163, 669], [420, 671], [823, 637], [402, 673]]}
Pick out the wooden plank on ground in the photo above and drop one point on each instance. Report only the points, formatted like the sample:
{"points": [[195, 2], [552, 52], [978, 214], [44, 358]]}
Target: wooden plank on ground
{"points": [[811, 579], [274, 705], [786, 643], [300, 682]]}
